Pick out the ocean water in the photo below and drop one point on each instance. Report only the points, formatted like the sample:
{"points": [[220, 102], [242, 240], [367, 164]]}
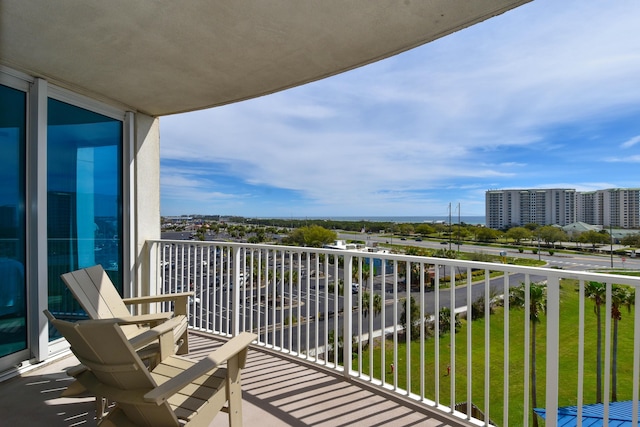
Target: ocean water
{"points": [[474, 220]]}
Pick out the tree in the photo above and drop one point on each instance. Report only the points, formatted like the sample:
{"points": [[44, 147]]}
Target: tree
{"points": [[312, 236], [425, 229], [366, 303], [418, 251], [596, 292], [459, 232], [414, 275], [334, 346], [441, 228], [478, 306], [487, 234], [473, 230], [445, 253], [593, 237], [444, 319], [621, 296], [537, 306], [413, 316], [551, 234], [405, 229], [519, 233], [331, 288], [366, 271], [631, 240], [294, 278], [366, 306]]}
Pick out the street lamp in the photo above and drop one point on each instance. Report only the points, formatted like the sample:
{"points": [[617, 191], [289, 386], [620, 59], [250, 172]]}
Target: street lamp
{"points": [[539, 247], [611, 240]]}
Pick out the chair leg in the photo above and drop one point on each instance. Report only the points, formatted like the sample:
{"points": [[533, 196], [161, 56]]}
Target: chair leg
{"points": [[183, 344], [234, 392], [101, 407]]}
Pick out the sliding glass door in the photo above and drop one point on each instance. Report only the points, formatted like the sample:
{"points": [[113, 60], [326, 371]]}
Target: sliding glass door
{"points": [[65, 151], [84, 197], [13, 301]]}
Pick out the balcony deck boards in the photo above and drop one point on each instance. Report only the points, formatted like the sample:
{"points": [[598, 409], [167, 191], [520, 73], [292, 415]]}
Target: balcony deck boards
{"points": [[277, 391]]}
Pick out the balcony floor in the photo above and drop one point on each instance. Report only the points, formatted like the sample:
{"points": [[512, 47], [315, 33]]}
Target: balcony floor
{"points": [[277, 391]]}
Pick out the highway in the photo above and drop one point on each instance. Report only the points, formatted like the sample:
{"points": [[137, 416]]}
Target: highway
{"points": [[565, 259]]}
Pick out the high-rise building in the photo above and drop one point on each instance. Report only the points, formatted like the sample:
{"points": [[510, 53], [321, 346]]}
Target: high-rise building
{"points": [[506, 208], [615, 207]]}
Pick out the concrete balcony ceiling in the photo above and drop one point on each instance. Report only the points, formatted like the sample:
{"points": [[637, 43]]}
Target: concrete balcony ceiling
{"points": [[162, 57]]}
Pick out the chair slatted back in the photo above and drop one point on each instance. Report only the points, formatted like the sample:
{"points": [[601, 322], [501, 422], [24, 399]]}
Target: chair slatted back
{"points": [[97, 295]]}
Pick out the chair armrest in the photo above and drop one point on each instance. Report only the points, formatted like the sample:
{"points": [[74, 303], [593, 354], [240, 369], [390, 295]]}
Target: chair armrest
{"points": [[181, 300], [128, 320], [154, 318], [156, 333], [158, 298], [230, 349]]}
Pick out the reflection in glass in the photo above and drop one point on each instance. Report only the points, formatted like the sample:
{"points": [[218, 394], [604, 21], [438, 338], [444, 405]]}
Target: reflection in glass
{"points": [[13, 335], [84, 198]]}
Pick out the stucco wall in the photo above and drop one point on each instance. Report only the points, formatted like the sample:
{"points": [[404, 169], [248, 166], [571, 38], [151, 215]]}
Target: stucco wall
{"points": [[145, 197]]}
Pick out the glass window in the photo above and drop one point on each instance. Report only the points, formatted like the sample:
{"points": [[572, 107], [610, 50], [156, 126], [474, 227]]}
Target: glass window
{"points": [[84, 196], [13, 328]]}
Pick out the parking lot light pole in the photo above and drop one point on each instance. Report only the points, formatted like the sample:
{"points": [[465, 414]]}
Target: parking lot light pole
{"points": [[611, 240], [539, 248]]}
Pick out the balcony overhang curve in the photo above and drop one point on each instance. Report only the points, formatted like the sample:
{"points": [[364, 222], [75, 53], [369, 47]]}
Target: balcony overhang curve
{"points": [[163, 57]]}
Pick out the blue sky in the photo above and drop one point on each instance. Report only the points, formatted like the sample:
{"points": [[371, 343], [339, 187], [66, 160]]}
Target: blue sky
{"points": [[544, 96]]}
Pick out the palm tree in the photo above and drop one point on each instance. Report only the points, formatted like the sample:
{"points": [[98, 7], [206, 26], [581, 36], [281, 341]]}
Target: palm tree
{"points": [[332, 287], [621, 296], [294, 278], [366, 272], [377, 303], [596, 292], [537, 306], [445, 321], [410, 317], [366, 302]]}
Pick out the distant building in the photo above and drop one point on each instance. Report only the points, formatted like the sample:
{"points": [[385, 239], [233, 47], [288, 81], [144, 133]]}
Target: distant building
{"points": [[614, 207], [506, 208], [577, 228]]}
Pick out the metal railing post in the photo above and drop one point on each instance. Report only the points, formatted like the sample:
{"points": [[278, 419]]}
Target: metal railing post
{"points": [[553, 348], [347, 330], [235, 307]]}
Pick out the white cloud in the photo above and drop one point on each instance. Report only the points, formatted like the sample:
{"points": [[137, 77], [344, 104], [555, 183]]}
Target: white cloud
{"points": [[626, 159], [630, 142], [430, 118], [191, 184]]}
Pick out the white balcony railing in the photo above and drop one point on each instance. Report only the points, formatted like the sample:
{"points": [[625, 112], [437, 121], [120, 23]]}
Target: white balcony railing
{"points": [[298, 299]]}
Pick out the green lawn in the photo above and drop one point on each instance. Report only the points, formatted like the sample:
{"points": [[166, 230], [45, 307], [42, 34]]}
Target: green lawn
{"points": [[568, 360]]}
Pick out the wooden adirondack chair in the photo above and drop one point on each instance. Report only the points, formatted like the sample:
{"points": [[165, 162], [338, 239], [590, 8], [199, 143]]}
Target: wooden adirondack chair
{"points": [[99, 298], [178, 391]]}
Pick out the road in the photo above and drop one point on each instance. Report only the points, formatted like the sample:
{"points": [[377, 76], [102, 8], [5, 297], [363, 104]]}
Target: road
{"points": [[570, 261]]}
